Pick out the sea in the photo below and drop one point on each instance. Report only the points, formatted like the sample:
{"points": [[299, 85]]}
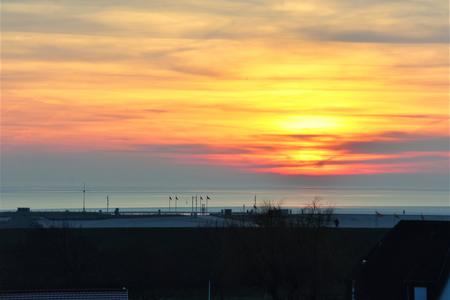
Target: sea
{"points": [[135, 199]]}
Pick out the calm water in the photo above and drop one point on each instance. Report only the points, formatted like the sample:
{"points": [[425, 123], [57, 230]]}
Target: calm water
{"points": [[343, 199]]}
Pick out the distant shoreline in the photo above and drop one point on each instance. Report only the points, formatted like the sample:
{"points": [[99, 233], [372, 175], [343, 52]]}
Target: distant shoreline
{"points": [[166, 219], [365, 210]]}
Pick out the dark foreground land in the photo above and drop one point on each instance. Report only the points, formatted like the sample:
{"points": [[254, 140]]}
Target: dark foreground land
{"points": [[241, 263]]}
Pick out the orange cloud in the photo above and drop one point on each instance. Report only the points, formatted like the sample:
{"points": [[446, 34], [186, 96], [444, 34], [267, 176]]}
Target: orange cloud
{"points": [[257, 91]]}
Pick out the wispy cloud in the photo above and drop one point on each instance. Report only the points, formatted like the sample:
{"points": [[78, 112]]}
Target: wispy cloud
{"points": [[332, 20], [398, 143]]}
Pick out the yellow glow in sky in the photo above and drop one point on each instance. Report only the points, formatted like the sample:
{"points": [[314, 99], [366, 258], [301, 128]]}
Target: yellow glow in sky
{"points": [[317, 88]]}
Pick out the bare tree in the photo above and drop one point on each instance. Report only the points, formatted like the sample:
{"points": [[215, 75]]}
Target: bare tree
{"points": [[287, 253]]}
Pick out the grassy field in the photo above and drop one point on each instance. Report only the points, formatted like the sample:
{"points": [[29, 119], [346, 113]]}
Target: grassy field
{"points": [[177, 263]]}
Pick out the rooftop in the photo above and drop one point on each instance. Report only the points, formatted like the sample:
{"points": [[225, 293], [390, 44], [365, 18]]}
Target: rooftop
{"points": [[413, 253], [121, 294]]}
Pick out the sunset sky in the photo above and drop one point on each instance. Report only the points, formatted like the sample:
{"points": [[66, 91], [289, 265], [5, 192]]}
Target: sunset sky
{"points": [[232, 91]]}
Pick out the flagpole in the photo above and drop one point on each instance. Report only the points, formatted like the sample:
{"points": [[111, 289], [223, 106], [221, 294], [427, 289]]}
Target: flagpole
{"points": [[201, 205]]}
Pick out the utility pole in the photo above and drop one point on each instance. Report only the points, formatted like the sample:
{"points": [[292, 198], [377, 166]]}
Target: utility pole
{"points": [[107, 203], [84, 197], [209, 289]]}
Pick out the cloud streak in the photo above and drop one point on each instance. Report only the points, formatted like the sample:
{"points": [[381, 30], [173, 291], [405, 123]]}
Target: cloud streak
{"points": [[391, 152], [331, 20]]}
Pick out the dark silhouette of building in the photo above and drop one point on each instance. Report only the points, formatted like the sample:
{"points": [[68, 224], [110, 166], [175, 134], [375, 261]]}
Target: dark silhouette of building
{"points": [[412, 262], [23, 210]]}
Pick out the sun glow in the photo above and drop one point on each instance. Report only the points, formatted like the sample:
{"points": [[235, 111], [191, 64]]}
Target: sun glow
{"points": [[311, 124]]}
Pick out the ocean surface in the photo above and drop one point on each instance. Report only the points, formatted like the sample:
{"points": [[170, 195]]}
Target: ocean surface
{"points": [[343, 200]]}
